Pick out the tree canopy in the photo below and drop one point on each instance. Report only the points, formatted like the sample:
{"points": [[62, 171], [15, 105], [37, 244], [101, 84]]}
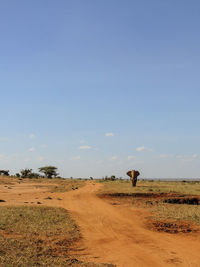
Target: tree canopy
{"points": [[4, 172], [49, 171]]}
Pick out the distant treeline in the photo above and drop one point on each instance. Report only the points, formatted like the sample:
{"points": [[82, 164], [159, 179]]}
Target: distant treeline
{"points": [[47, 172]]}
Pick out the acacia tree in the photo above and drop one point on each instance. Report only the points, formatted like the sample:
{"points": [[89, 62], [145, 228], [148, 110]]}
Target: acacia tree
{"points": [[49, 171]]}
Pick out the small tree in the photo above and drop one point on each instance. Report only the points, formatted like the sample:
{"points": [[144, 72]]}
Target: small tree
{"points": [[4, 172], [25, 173], [49, 171], [112, 178], [33, 175]]}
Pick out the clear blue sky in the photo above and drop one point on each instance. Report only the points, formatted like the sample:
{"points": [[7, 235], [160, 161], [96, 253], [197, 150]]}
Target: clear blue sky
{"points": [[100, 87]]}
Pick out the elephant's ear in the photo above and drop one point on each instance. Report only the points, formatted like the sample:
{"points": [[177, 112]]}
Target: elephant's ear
{"points": [[129, 173], [138, 173]]}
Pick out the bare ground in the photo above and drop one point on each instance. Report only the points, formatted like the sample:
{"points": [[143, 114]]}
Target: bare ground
{"points": [[111, 233]]}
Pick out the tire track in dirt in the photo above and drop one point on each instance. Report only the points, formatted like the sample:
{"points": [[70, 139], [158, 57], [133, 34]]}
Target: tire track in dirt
{"points": [[117, 235]]}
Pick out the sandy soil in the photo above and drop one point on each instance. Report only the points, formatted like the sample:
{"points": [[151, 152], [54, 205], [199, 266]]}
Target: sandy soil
{"points": [[112, 233]]}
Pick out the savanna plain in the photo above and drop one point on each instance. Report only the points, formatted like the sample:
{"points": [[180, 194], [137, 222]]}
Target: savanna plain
{"points": [[97, 223]]}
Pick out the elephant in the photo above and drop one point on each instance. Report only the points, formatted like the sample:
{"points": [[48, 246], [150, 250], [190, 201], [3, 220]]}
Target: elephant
{"points": [[133, 176]]}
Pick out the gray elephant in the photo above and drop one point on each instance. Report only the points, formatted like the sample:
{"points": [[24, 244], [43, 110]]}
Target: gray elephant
{"points": [[133, 176]]}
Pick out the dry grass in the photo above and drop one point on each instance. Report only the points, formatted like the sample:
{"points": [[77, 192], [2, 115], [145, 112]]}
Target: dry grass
{"points": [[177, 212], [54, 185], [120, 186], [150, 195], [66, 185], [57, 185], [37, 236]]}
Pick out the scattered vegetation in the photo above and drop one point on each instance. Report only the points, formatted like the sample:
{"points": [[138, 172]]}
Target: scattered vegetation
{"points": [[27, 173], [153, 186], [35, 236], [109, 178], [4, 172], [64, 185], [38, 236], [158, 196]]}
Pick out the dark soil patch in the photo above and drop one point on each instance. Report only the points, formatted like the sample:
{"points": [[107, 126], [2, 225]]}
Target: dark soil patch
{"points": [[48, 197], [188, 201], [173, 227], [140, 195]]}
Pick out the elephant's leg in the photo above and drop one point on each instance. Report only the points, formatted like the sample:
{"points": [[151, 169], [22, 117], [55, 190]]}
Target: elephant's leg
{"points": [[133, 182]]}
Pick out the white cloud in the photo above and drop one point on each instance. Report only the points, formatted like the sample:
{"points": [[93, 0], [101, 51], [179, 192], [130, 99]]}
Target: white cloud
{"points": [[32, 136], [113, 158], [130, 157], [143, 148], [109, 134], [84, 147], [31, 149]]}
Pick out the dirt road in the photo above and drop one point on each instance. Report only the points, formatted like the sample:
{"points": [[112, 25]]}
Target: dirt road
{"points": [[111, 233], [116, 235]]}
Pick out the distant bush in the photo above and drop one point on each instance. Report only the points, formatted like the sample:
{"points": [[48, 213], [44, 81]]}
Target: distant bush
{"points": [[4, 172], [111, 178], [27, 173]]}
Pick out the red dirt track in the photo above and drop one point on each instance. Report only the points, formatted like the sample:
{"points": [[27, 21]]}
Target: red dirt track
{"points": [[116, 235], [111, 233]]}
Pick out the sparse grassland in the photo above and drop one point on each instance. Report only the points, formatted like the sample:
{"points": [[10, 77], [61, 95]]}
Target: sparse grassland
{"points": [[58, 185], [54, 184], [150, 194], [37, 236], [124, 186]]}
